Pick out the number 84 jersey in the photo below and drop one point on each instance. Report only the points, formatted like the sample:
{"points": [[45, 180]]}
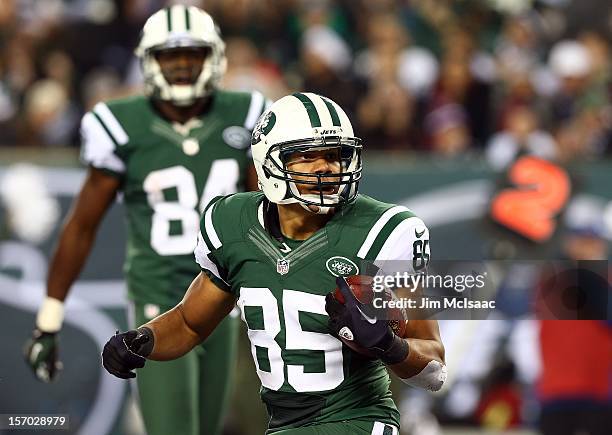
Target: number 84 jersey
{"points": [[168, 173], [307, 375]]}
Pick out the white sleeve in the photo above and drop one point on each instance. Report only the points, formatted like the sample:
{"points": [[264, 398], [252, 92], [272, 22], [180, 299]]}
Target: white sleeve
{"points": [[407, 245], [101, 136], [258, 105], [201, 255]]}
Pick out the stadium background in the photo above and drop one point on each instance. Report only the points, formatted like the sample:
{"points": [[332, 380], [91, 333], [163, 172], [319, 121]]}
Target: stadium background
{"points": [[446, 94]]}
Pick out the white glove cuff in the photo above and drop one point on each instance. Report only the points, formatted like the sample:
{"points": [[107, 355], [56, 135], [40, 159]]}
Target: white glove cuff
{"points": [[51, 315]]}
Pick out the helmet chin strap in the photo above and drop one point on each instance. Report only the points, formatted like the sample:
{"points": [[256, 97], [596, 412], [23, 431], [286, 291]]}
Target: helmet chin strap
{"points": [[316, 209]]}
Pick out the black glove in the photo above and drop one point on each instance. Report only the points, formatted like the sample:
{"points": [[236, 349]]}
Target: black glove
{"points": [[361, 324], [127, 351], [41, 354]]}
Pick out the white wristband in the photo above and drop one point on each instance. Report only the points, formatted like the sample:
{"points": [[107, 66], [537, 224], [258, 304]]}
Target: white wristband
{"points": [[51, 315], [431, 378]]}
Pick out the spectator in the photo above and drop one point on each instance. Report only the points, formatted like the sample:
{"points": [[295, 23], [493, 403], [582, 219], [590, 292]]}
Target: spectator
{"points": [[427, 54], [448, 130], [325, 61], [520, 135], [414, 68], [247, 71], [49, 116], [570, 61], [386, 118], [457, 86]]}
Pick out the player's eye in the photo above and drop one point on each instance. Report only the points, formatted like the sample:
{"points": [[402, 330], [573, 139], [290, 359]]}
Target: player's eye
{"points": [[332, 155], [298, 157]]}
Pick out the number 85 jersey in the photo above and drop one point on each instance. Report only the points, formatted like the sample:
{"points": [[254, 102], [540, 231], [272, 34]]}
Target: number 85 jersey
{"points": [[168, 173], [307, 375]]}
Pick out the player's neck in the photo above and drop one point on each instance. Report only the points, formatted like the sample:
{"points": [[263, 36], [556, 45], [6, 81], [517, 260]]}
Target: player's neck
{"points": [[299, 224], [180, 114]]}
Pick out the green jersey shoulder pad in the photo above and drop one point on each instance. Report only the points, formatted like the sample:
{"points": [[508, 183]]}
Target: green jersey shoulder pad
{"points": [[224, 221]]}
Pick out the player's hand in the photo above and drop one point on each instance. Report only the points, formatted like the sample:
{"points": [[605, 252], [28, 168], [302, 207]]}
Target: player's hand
{"points": [[127, 351], [357, 320], [41, 354]]}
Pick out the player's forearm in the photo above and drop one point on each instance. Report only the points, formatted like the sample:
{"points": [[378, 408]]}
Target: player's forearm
{"points": [[424, 364], [66, 264], [173, 337], [179, 330], [70, 255]]}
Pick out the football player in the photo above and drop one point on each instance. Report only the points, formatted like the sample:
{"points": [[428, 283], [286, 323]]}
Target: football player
{"points": [[277, 254], [169, 152]]}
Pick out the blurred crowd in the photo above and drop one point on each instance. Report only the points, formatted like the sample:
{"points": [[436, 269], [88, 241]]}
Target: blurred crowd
{"points": [[446, 77]]}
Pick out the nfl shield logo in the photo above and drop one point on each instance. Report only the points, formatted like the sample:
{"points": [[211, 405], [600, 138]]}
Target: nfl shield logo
{"points": [[282, 266]]}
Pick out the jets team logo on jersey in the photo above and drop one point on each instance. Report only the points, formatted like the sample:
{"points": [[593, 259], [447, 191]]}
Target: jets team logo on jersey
{"points": [[237, 137], [282, 266], [341, 266], [264, 125]]}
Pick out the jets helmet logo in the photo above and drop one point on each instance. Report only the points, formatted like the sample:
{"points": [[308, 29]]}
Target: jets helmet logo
{"points": [[264, 125]]}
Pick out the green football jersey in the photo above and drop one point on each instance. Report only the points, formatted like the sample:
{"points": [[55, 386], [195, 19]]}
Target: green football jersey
{"points": [[169, 172], [307, 375]]}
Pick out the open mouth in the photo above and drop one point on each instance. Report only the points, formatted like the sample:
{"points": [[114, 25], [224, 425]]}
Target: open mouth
{"points": [[325, 190], [182, 81]]}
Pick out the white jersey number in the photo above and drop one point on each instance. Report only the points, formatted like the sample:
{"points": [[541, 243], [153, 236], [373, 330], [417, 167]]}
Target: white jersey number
{"points": [[296, 338], [222, 180]]}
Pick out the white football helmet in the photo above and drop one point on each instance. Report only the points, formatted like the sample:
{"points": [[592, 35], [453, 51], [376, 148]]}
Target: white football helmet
{"points": [[298, 123], [180, 26]]}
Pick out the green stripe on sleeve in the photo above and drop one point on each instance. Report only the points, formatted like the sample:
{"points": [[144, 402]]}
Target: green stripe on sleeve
{"points": [[105, 128], [315, 121], [207, 240], [216, 281], [385, 232], [209, 244], [332, 112]]}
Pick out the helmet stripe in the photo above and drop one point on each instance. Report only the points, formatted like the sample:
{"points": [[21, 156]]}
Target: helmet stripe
{"points": [[332, 112], [187, 19], [169, 18], [315, 121]]}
